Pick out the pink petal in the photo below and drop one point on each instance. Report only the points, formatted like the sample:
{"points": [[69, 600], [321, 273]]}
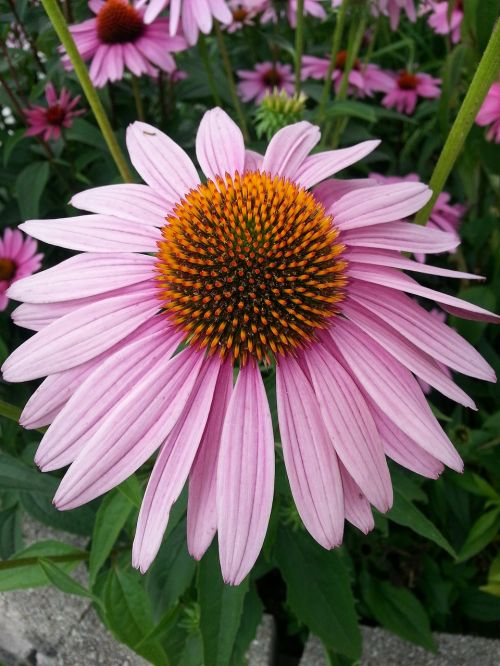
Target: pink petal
{"points": [[94, 233], [316, 168], [79, 336], [202, 507], [350, 426], [310, 458], [288, 149], [330, 191], [220, 148], [160, 161], [356, 507], [172, 466], [379, 204], [394, 390], [132, 431], [401, 236], [245, 476], [84, 275]]}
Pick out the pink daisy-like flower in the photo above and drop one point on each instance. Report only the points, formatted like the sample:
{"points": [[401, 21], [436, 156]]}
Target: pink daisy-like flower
{"points": [[489, 113], [364, 80], [50, 120], [266, 77], [118, 38], [244, 13], [195, 16], [442, 22], [257, 265], [311, 8], [18, 259], [393, 9], [407, 88]]}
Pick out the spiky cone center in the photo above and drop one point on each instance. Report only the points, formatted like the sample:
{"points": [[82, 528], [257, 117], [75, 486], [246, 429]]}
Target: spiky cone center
{"points": [[407, 81], [239, 14], [341, 60], [272, 78], [7, 269], [250, 266], [55, 115], [118, 22]]}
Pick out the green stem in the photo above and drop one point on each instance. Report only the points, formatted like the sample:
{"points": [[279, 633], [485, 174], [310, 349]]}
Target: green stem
{"points": [[299, 45], [202, 46], [230, 79], [139, 107], [355, 38], [485, 75], [337, 38], [61, 27], [13, 413]]}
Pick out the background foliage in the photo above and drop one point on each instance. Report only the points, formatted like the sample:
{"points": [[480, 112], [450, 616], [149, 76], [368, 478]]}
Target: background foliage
{"points": [[432, 562]]}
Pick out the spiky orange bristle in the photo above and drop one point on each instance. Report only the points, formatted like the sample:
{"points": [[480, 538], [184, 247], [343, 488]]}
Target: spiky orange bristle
{"points": [[249, 266]]}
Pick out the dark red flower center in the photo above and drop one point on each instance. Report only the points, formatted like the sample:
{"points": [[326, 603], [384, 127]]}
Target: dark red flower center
{"points": [[341, 59], [239, 14], [119, 23], [55, 115], [7, 269], [408, 81], [272, 78]]}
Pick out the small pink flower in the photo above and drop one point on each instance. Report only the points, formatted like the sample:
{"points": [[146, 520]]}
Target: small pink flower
{"points": [[193, 15], [244, 13], [311, 8], [118, 38], [364, 80], [407, 88], [49, 120], [489, 113], [267, 259], [441, 21], [266, 77], [17, 260], [393, 9]]}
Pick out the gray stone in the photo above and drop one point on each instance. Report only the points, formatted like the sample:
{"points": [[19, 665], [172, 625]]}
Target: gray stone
{"points": [[262, 647], [381, 648]]}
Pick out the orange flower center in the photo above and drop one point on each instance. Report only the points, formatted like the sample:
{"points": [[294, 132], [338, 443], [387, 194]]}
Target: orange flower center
{"points": [[408, 81], [272, 78], [239, 14], [55, 115], [250, 266], [119, 23], [7, 269], [341, 59]]}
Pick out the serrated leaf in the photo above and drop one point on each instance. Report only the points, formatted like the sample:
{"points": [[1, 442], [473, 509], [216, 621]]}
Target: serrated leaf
{"points": [[398, 610], [404, 512], [221, 607], [30, 185], [23, 570], [110, 519], [319, 591]]}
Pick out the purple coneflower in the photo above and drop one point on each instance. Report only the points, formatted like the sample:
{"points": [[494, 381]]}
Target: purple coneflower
{"points": [[257, 266], [265, 77], [195, 16], [18, 259], [49, 120], [407, 88], [489, 113]]}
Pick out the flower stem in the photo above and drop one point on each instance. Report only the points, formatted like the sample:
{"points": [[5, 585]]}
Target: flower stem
{"points": [[202, 46], [60, 26], [485, 75], [230, 78], [337, 38], [139, 107], [299, 45]]}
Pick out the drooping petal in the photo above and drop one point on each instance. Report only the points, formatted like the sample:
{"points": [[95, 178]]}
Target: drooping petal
{"points": [[357, 508], [310, 459], [349, 423], [220, 148], [401, 236], [202, 502], [132, 430], [164, 165], [245, 476], [172, 466]]}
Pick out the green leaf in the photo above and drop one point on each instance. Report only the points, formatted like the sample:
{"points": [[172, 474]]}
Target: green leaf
{"points": [[30, 184], [172, 571], [352, 109], [485, 298], [9, 411], [110, 519], [480, 606], [250, 620], [484, 530], [131, 488], [16, 475], [319, 590], [84, 132], [10, 532], [60, 579], [10, 143], [23, 569], [399, 610], [77, 521], [221, 607], [128, 613], [404, 512]]}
